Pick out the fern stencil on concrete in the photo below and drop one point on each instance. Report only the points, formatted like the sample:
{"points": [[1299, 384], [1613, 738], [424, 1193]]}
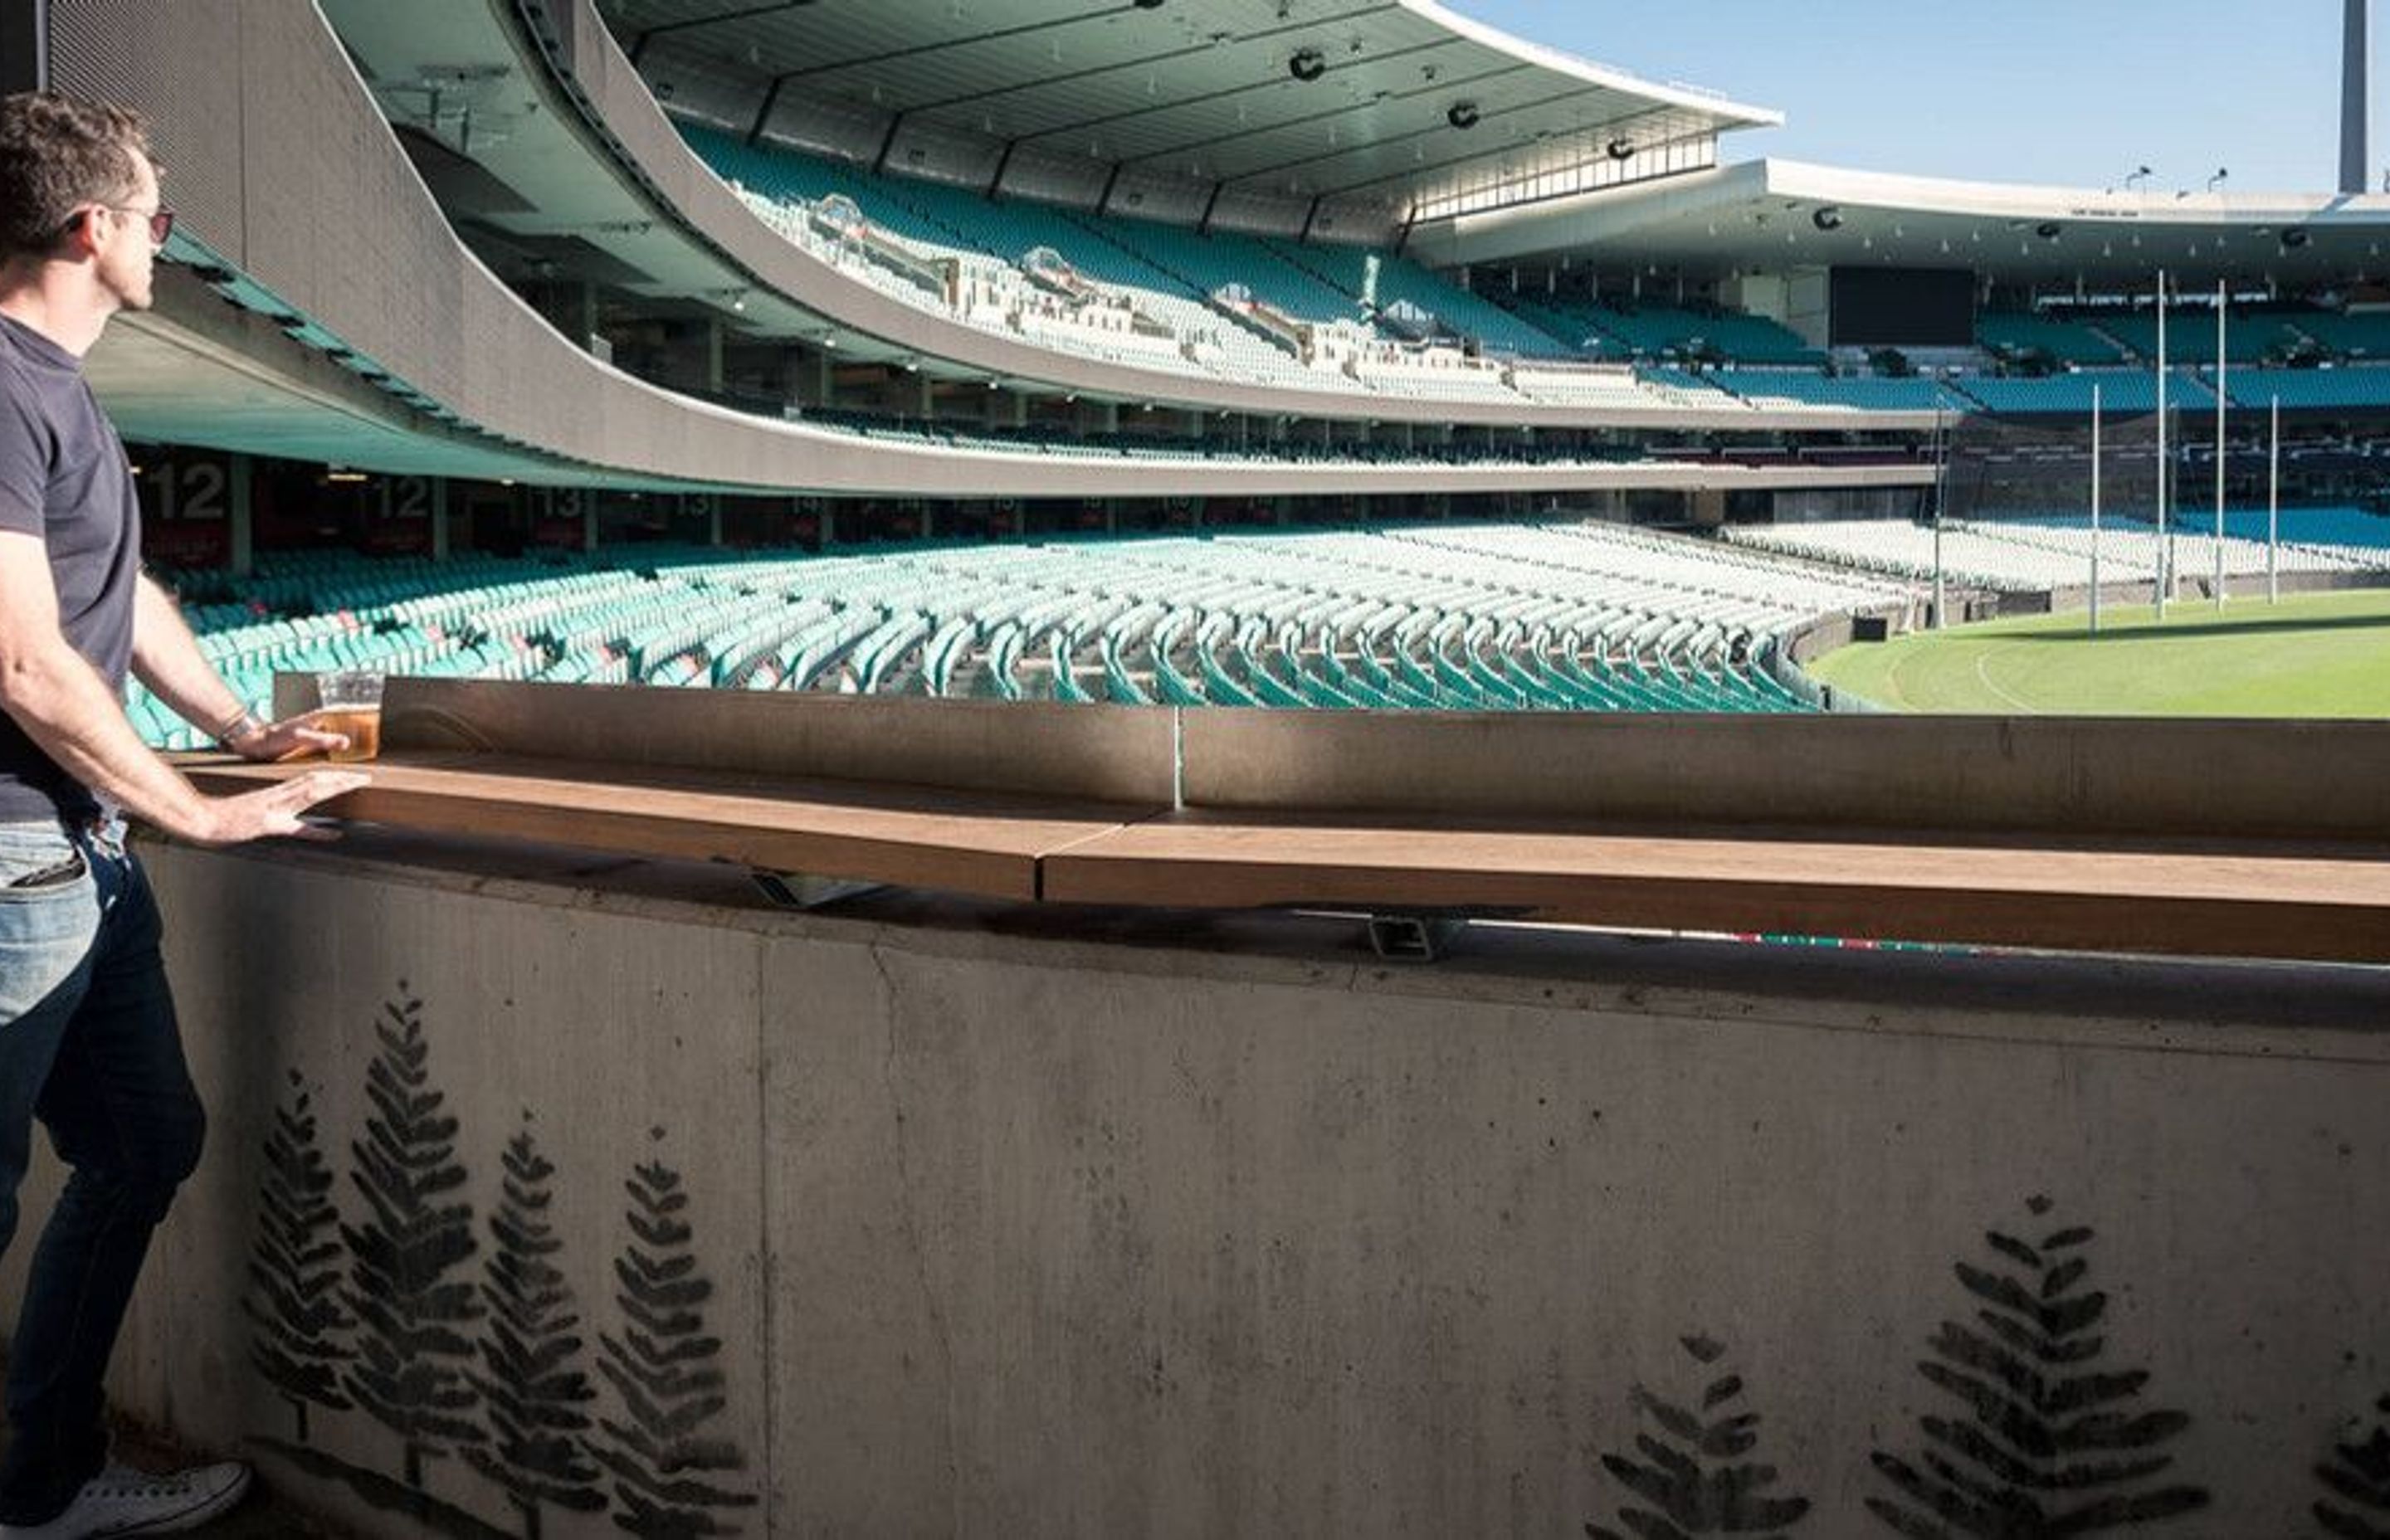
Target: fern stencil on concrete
{"points": [[532, 1387], [1695, 1476], [2357, 1483], [666, 1374], [412, 1349], [294, 1270], [2047, 1442]]}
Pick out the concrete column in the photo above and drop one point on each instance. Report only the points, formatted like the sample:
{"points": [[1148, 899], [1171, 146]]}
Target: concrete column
{"points": [[1020, 409], [240, 489], [1108, 417], [588, 520], [589, 308], [825, 383], [713, 519], [24, 47], [928, 520], [713, 336], [928, 397], [439, 518]]}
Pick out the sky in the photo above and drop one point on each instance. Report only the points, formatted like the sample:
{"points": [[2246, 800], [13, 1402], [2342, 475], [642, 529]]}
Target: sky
{"points": [[2077, 93]]}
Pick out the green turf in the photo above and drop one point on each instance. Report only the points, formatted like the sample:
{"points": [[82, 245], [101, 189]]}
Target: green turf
{"points": [[2322, 656]]}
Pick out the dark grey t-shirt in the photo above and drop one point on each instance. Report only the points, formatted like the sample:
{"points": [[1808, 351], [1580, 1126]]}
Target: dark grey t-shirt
{"points": [[64, 477]]}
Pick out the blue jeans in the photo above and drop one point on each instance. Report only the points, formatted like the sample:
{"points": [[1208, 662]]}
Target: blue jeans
{"points": [[89, 1044]]}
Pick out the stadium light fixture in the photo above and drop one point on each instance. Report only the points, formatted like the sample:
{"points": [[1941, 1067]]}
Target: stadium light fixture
{"points": [[2217, 180], [1622, 149], [1308, 64], [2294, 239], [2048, 229], [1462, 115], [1828, 218], [2140, 174]]}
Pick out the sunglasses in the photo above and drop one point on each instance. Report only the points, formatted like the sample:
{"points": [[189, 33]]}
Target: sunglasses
{"points": [[161, 222]]}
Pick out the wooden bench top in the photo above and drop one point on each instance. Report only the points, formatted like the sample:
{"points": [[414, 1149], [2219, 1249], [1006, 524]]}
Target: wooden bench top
{"points": [[984, 843], [2262, 899], [2278, 900]]}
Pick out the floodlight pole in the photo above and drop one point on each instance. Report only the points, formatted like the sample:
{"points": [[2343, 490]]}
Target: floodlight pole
{"points": [[2159, 596], [2274, 510], [2095, 510], [2219, 443]]}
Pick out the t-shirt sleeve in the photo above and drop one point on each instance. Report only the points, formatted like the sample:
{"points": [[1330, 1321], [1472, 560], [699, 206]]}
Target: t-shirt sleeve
{"points": [[24, 464]]}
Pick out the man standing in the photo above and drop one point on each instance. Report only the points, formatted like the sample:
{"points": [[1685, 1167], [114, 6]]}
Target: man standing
{"points": [[88, 1041]]}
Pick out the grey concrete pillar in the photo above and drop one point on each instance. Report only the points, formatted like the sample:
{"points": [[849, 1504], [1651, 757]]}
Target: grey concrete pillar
{"points": [[440, 519], [713, 337], [713, 519], [588, 520], [244, 517], [24, 45]]}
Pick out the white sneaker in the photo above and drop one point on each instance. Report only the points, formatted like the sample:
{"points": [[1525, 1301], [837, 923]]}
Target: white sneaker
{"points": [[123, 1501]]}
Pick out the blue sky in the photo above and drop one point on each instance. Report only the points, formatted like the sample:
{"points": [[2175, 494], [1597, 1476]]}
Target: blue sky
{"points": [[2076, 92]]}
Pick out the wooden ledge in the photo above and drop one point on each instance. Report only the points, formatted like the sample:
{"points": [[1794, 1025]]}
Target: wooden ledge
{"points": [[2273, 900], [988, 844], [2308, 901]]}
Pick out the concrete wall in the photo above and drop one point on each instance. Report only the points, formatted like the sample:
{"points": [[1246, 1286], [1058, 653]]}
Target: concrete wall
{"points": [[1000, 1226]]}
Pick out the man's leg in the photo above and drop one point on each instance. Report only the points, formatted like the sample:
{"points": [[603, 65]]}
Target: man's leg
{"points": [[122, 1114]]}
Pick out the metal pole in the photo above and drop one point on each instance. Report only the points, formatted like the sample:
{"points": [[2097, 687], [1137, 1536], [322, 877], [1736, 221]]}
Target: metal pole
{"points": [[2159, 597], [2095, 510], [1941, 498], [2274, 510], [2219, 443]]}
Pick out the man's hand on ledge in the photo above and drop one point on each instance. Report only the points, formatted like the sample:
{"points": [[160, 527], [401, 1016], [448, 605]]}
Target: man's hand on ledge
{"points": [[292, 737], [274, 811]]}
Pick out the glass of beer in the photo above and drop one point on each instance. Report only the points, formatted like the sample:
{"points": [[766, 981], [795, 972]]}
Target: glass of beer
{"points": [[349, 703]]}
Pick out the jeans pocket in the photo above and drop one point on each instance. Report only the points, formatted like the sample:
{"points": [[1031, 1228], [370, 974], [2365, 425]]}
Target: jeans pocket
{"points": [[37, 866], [46, 930]]}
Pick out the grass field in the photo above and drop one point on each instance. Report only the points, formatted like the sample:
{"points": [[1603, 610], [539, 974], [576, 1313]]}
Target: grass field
{"points": [[2322, 656]]}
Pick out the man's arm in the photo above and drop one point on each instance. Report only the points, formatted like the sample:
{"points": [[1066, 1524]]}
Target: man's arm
{"points": [[166, 657], [62, 702]]}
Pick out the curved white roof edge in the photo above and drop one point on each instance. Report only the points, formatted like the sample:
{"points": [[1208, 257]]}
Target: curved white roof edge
{"points": [[1674, 94], [1933, 194]]}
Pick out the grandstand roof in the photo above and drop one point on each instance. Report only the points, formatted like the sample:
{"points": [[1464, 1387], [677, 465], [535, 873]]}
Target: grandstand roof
{"points": [[1768, 215], [1206, 91]]}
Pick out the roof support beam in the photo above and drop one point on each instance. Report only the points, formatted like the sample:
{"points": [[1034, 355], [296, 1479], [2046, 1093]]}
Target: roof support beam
{"points": [[640, 45], [1003, 164], [1111, 182], [1310, 218], [916, 50], [888, 143], [1211, 204], [764, 113]]}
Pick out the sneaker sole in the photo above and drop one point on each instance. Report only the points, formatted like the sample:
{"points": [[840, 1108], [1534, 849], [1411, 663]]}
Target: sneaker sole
{"points": [[190, 1518]]}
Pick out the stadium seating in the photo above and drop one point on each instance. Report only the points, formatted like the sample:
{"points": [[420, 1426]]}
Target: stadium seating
{"points": [[2355, 386], [1466, 617], [2031, 554], [1808, 388], [2014, 332]]}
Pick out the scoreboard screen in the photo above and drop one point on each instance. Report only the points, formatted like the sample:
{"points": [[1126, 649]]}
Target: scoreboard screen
{"points": [[1902, 307]]}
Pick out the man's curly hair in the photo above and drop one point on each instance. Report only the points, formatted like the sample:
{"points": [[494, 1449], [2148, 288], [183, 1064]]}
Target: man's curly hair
{"points": [[58, 153]]}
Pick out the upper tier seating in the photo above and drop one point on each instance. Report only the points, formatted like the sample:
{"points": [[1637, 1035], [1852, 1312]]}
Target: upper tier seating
{"points": [[2361, 337], [1403, 282], [1655, 330], [2067, 342], [2191, 333]]}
